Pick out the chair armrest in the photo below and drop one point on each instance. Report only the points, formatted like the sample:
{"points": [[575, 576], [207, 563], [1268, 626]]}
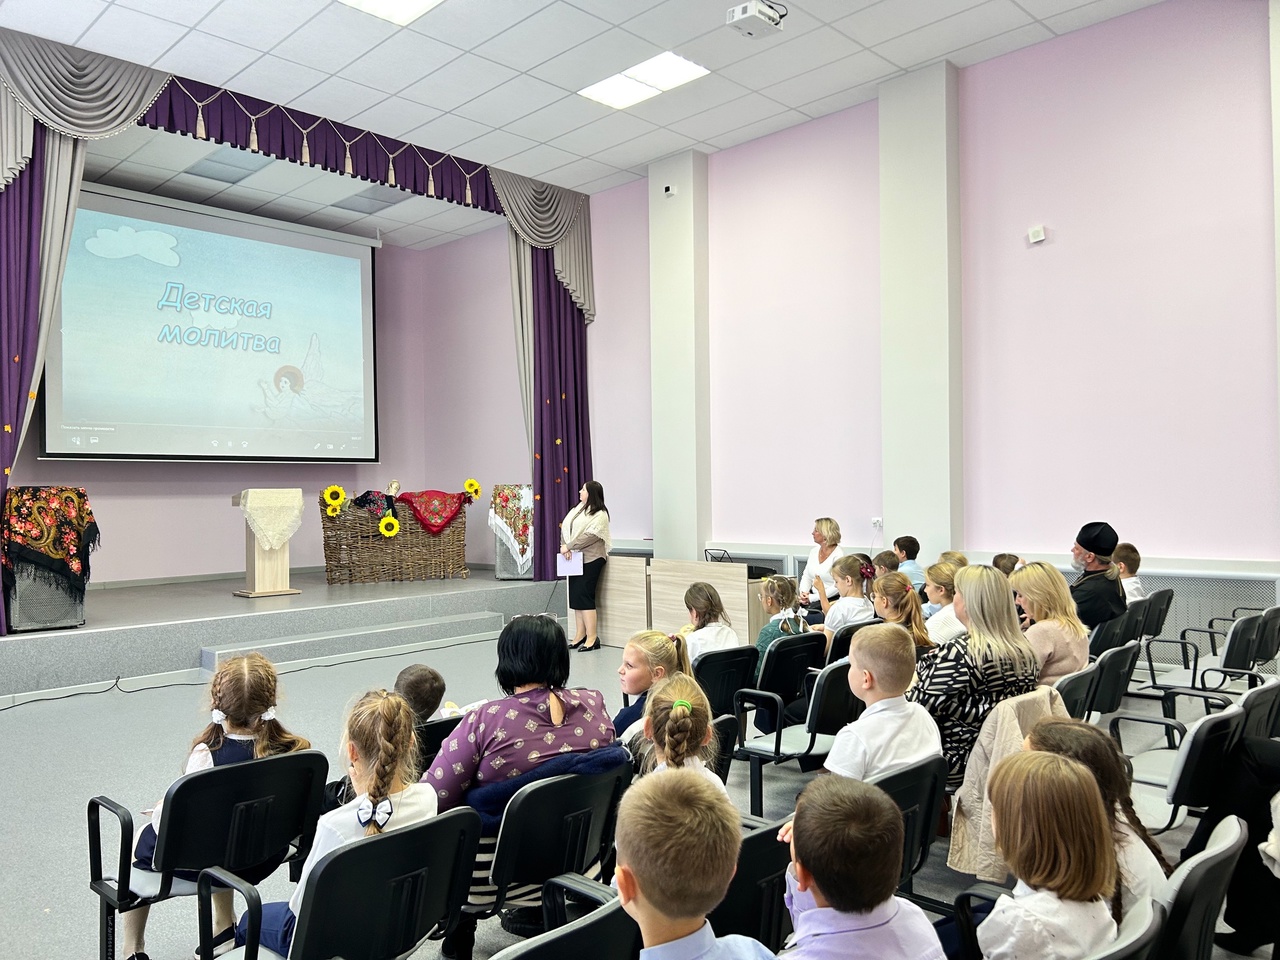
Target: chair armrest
{"points": [[754, 823], [1238, 612], [1213, 644], [253, 909], [555, 912], [770, 703], [1255, 679], [119, 895], [1227, 620], [967, 928], [1171, 694], [1186, 646], [1169, 725]]}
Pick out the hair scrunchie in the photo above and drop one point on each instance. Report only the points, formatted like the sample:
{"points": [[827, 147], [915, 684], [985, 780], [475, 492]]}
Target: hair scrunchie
{"points": [[868, 571]]}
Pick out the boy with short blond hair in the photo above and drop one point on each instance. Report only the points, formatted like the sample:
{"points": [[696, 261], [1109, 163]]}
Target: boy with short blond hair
{"points": [[846, 858], [677, 844], [891, 733], [1126, 557]]}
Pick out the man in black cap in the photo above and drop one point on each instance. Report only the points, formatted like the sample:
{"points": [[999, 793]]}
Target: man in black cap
{"points": [[1098, 594]]}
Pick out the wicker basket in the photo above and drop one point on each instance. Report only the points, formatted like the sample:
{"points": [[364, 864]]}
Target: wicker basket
{"points": [[355, 552]]}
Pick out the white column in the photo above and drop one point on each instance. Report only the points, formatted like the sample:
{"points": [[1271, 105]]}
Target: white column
{"points": [[679, 360], [920, 357], [1274, 60]]}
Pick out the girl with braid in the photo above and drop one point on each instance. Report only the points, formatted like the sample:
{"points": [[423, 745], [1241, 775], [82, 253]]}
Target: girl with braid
{"points": [[383, 756], [242, 726], [678, 722], [1142, 864]]}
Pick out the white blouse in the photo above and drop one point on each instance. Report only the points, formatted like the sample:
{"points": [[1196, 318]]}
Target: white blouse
{"points": [[1040, 924], [814, 568], [714, 636]]}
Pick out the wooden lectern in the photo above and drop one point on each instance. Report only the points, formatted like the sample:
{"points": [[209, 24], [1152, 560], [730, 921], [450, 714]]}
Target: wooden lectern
{"points": [[266, 572]]}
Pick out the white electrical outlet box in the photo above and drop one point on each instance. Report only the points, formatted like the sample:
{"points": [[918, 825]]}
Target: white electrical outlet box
{"points": [[877, 522], [1036, 234]]}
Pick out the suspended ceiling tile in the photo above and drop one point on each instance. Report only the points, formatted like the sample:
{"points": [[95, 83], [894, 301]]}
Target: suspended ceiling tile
{"points": [[1042, 9], [831, 10], [338, 99], [329, 188], [938, 39], [243, 199], [833, 78], [559, 118], [719, 48], [996, 46], [32, 16], [643, 150], [193, 189], [173, 151], [892, 18], [678, 21], [1094, 13], [394, 117], [287, 208], [333, 38], [454, 217], [274, 80], [537, 160], [125, 143], [95, 166], [330, 218], [467, 23], [548, 33], [437, 241], [603, 56], [414, 208], [782, 62], [492, 222], [446, 132], [761, 128], [458, 81], [204, 57], [494, 147], [685, 101], [609, 182], [577, 173], [729, 116], [842, 100], [603, 133], [615, 11], [409, 235], [136, 176], [129, 35], [518, 97], [404, 58], [187, 12], [257, 24], [282, 176]]}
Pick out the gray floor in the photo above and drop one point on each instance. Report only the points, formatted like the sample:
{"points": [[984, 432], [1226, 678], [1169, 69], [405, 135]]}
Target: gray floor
{"points": [[56, 754]]}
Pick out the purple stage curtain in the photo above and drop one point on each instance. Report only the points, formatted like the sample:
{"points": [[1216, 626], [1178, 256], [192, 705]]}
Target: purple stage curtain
{"points": [[373, 156], [21, 211], [561, 427]]}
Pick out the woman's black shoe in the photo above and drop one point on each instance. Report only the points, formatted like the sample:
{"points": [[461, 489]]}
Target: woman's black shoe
{"points": [[591, 649], [577, 643]]}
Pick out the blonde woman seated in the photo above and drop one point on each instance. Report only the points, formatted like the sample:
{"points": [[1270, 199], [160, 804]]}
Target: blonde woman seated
{"points": [[940, 587], [1060, 640], [711, 629], [826, 534]]}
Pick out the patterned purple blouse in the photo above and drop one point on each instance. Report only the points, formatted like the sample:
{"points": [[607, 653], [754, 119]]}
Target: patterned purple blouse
{"points": [[511, 736]]}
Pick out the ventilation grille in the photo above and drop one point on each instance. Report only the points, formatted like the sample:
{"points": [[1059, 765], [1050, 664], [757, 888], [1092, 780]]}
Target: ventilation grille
{"points": [[1197, 599]]}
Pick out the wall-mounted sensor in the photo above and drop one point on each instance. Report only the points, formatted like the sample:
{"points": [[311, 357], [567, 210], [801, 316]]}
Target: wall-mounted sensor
{"points": [[1036, 234], [668, 191]]}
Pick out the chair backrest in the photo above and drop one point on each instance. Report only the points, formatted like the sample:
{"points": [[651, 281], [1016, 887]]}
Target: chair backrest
{"points": [[918, 791], [722, 673], [1194, 892], [1241, 643], [1268, 645], [558, 825], [1261, 705], [1197, 773], [832, 706], [754, 905], [1108, 635], [606, 933], [1115, 670], [241, 814], [1135, 622], [726, 739], [379, 897], [1157, 612], [787, 662], [843, 639], [1136, 939], [1077, 690], [431, 734]]}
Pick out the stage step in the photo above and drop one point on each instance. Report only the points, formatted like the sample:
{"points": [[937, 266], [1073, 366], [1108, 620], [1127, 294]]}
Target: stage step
{"points": [[483, 625]]}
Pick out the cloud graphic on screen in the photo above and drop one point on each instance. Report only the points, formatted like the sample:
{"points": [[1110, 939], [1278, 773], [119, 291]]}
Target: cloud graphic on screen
{"points": [[153, 245]]}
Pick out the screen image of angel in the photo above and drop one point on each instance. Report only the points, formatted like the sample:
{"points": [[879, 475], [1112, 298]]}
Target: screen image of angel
{"points": [[297, 396]]}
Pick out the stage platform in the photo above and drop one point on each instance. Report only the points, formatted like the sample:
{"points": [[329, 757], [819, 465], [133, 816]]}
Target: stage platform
{"points": [[163, 632]]}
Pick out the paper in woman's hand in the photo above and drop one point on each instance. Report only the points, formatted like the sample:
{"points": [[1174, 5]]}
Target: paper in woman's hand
{"points": [[571, 567]]}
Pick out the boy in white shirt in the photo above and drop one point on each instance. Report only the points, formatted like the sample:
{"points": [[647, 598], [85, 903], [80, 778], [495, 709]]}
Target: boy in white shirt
{"points": [[1126, 557], [891, 733]]}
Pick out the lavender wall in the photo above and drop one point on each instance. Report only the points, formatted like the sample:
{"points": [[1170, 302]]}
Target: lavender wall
{"points": [[1126, 368], [795, 300]]}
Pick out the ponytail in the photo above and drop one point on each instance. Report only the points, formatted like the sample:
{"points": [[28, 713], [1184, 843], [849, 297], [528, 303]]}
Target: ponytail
{"points": [[904, 605], [680, 718], [380, 727]]}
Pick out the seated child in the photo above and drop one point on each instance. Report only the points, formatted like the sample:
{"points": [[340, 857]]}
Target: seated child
{"points": [[677, 844], [678, 722], [853, 574], [1006, 563], [711, 629], [648, 657], [846, 857], [1126, 557], [886, 561], [891, 733]]}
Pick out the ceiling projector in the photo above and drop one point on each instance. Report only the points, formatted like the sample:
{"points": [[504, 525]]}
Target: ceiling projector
{"points": [[754, 18]]}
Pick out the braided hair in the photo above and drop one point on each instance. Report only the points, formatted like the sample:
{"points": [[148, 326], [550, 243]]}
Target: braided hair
{"points": [[380, 727], [679, 716], [243, 689], [782, 591]]}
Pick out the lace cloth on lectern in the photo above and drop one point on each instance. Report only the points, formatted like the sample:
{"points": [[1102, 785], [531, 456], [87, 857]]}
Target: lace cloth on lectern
{"points": [[273, 515]]}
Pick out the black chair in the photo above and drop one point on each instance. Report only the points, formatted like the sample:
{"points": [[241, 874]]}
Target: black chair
{"points": [[831, 707], [918, 790], [605, 933], [1194, 893], [431, 734], [722, 673], [1158, 605], [843, 639], [375, 899], [1119, 631], [726, 740], [786, 664], [1115, 670], [1077, 690], [235, 816], [755, 903]]}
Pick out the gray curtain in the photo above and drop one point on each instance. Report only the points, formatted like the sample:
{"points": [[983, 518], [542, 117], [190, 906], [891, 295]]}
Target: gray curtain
{"points": [[548, 217]]}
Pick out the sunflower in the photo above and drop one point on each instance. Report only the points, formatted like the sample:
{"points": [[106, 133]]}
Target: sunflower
{"points": [[333, 509], [334, 494], [472, 487], [388, 526]]}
